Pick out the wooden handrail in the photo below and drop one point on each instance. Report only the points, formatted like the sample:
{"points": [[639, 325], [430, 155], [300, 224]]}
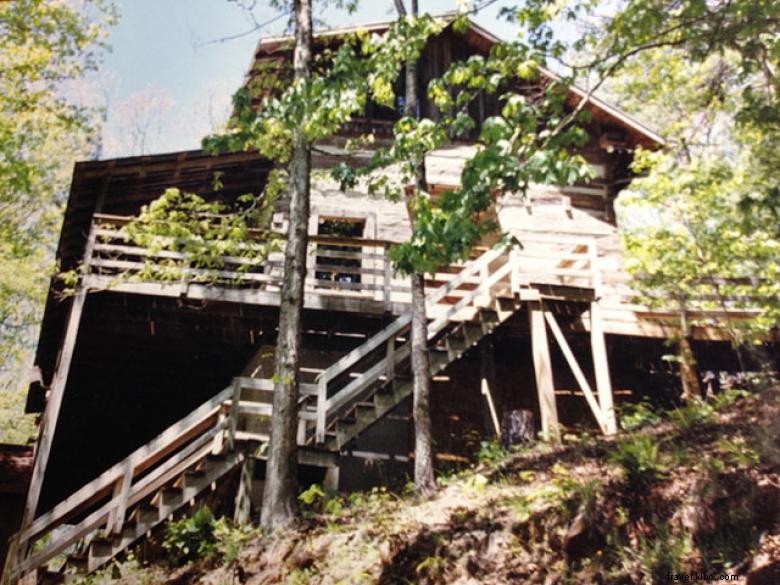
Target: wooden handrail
{"points": [[101, 219], [148, 485], [138, 461]]}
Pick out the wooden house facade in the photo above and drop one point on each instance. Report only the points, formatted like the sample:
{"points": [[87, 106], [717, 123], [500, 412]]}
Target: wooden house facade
{"points": [[158, 394]]}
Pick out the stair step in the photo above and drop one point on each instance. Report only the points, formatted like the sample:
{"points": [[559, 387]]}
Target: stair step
{"points": [[213, 462], [130, 532], [365, 410], [438, 360], [455, 346], [46, 577], [489, 317], [345, 424], [79, 564], [472, 332], [194, 479], [384, 400], [171, 496], [101, 547], [145, 514], [100, 551]]}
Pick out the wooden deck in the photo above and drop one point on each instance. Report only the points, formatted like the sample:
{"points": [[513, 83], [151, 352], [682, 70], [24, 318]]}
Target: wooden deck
{"points": [[561, 267]]}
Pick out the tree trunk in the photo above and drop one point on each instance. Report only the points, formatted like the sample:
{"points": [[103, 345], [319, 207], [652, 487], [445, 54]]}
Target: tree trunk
{"points": [[691, 389], [281, 483], [421, 371]]}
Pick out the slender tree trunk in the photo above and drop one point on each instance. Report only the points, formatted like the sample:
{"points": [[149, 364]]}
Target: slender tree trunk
{"points": [[281, 485], [423, 436], [421, 371], [691, 389]]}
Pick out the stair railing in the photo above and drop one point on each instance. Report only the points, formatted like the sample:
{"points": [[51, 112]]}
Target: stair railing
{"points": [[138, 476], [329, 405]]}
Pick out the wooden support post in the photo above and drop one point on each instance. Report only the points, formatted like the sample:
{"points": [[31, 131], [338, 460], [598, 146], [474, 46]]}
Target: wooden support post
{"points": [[331, 480], [599, 346], [218, 443], [234, 412], [116, 518], [10, 560], [300, 436], [243, 507], [390, 362], [387, 284], [601, 367], [543, 370], [514, 259], [576, 370], [53, 404], [488, 376], [322, 399]]}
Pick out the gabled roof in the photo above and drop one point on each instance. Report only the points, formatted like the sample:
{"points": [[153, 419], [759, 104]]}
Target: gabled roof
{"points": [[483, 40]]}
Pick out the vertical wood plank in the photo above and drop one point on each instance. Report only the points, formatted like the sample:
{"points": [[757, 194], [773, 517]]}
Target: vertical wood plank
{"points": [[598, 346], [122, 487], [487, 375], [331, 480], [242, 513], [322, 399], [543, 372], [390, 361], [234, 412], [218, 443], [10, 560], [387, 283], [601, 367]]}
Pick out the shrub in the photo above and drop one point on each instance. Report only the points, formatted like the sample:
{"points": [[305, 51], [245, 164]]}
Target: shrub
{"points": [[640, 458], [696, 412], [191, 538], [230, 540], [491, 452], [738, 452], [659, 555], [201, 536], [636, 416], [727, 398]]}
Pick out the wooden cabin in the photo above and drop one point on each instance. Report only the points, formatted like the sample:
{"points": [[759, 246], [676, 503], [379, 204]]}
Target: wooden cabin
{"points": [[158, 394]]}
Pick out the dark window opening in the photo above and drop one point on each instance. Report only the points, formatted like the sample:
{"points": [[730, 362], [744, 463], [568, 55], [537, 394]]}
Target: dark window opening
{"points": [[333, 258]]}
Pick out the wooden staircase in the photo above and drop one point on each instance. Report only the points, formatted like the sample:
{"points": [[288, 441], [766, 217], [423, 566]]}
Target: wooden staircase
{"points": [[389, 391], [162, 478]]}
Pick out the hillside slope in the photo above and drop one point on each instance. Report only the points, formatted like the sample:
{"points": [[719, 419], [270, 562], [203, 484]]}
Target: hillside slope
{"points": [[697, 492]]}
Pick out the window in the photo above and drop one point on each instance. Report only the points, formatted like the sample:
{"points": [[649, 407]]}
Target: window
{"points": [[339, 262]]}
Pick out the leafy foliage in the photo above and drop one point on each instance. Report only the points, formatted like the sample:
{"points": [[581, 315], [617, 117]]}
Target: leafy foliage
{"points": [[191, 537], [696, 412], [530, 141], [44, 46], [201, 536], [640, 458], [363, 67], [636, 416], [701, 224], [205, 233]]}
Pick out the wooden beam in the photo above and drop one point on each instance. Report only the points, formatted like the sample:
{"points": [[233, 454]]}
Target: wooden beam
{"points": [[331, 480], [576, 370], [601, 367], [52, 411], [543, 371], [121, 494]]}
